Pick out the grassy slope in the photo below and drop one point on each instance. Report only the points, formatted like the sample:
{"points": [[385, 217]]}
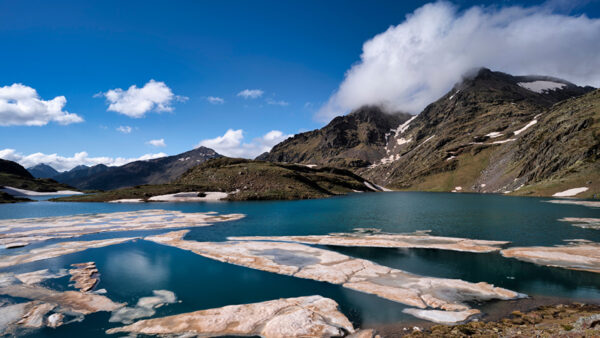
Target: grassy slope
{"points": [[253, 180], [39, 184]]}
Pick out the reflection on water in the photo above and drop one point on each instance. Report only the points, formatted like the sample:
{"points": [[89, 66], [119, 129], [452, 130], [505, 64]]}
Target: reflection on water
{"points": [[130, 271], [135, 268]]}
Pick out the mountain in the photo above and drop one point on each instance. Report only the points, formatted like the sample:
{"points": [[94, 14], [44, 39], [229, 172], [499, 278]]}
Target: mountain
{"points": [[354, 140], [42, 171], [14, 175], [478, 137], [155, 171], [247, 180]]}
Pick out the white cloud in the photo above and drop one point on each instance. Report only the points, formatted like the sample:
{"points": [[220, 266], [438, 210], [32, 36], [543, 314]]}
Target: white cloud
{"points": [[277, 103], [232, 143], [62, 163], [251, 93], [158, 143], [21, 105], [125, 129], [215, 100], [136, 102], [414, 63]]}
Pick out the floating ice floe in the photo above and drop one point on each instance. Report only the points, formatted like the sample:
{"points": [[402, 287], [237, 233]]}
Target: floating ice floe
{"points": [[383, 240], [84, 275], [311, 316], [541, 87], [145, 307], [577, 255], [585, 223], [571, 192], [591, 204], [29, 230], [303, 261], [23, 192], [57, 250]]}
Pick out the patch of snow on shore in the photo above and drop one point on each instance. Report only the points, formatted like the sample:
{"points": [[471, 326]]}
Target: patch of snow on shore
{"points": [[127, 200], [211, 196], [570, 192], [542, 86], [531, 123], [370, 186], [24, 192]]}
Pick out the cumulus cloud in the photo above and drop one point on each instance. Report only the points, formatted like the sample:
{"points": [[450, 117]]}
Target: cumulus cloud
{"points": [[277, 103], [158, 143], [414, 63], [21, 105], [124, 129], [215, 100], [62, 163], [251, 93], [136, 102], [232, 143]]}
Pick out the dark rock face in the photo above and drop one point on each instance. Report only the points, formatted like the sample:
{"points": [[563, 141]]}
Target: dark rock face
{"points": [[353, 140], [42, 171], [14, 168], [156, 171]]}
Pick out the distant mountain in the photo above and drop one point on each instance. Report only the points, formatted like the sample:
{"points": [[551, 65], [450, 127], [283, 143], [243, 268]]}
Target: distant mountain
{"points": [[354, 140], [80, 167], [42, 171], [155, 171], [478, 137], [14, 175]]}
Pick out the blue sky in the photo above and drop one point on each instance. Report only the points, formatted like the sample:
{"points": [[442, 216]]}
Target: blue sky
{"points": [[296, 52]]}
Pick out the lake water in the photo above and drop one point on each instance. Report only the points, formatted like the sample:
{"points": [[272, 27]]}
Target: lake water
{"points": [[132, 270]]}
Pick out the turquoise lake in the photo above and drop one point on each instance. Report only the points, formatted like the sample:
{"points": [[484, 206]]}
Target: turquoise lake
{"points": [[132, 270]]}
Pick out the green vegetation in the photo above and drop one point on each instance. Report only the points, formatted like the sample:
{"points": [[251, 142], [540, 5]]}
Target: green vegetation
{"points": [[250, 180]]}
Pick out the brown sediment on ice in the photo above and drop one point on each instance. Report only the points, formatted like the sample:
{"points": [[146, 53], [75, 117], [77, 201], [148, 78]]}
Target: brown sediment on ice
{"points": [[72, 301], [581, 222], [84, 276], [384, 240], [308, 262], [576, 255], [591, 204], [311, 316], [38, 276], [20, 232], [45, 307], [59, 249]]}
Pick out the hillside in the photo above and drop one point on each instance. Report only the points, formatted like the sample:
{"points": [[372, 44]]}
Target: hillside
{"points": [[354, 140], [476, 137], [156, 171], [247, 180], [14, 175]]}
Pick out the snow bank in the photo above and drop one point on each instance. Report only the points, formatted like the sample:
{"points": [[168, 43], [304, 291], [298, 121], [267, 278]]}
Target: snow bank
{"points": [[189, 197], [23, 192], [531, 123], [542, 86], [570, 192]]}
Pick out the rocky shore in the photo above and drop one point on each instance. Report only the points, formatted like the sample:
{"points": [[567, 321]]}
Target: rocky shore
{"points": [[573, 320]]}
